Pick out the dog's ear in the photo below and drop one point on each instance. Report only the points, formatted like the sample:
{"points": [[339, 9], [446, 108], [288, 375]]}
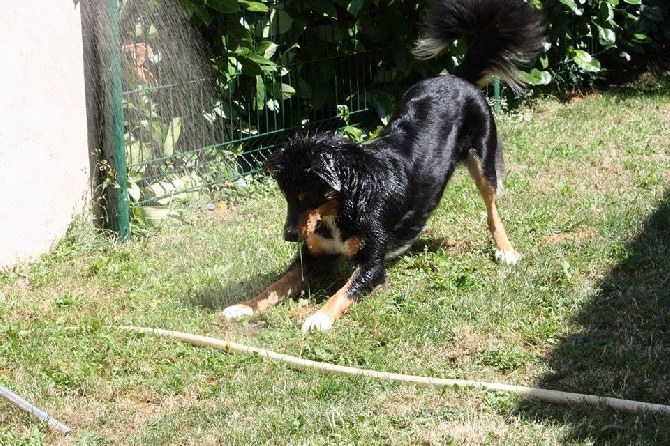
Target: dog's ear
{"points": [[327, 165]]}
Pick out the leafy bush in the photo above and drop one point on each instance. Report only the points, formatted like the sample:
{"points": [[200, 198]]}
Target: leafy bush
{"points": [[267, 54], [586, 40], [589, 38]]}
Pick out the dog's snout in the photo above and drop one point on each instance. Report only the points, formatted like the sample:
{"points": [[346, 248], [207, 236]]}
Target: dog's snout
{"points": [[290, 233]]}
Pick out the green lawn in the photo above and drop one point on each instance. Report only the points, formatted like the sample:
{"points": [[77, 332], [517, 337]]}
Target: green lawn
{"points": [[587, 310]]}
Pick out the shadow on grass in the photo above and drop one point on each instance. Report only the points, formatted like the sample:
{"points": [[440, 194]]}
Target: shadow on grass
{"points": [[622, 349], [217, 298]]}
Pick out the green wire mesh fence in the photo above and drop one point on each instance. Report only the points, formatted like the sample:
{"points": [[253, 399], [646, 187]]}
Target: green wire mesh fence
{"points": [[188, 134]]}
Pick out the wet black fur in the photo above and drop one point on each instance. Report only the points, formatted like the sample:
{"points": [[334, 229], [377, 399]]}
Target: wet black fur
{"points": [[388, 188]]}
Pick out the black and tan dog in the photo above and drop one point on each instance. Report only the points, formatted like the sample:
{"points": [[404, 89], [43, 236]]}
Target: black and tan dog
{"points": [[369, 202]]}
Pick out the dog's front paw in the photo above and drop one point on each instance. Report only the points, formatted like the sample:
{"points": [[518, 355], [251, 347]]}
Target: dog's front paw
{"points": [[510, 257], [237, 312], [318, 321]]}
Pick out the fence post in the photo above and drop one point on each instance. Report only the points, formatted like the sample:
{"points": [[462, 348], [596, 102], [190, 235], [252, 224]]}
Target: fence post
{"points": [[120, 166], [496, 95]]}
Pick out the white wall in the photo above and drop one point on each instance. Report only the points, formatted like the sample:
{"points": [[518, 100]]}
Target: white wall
{"points": [[44, 162]]}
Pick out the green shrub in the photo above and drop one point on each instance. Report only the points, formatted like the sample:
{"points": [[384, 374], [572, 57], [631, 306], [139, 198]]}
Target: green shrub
{"points": [[586, 40], [589, 38]]}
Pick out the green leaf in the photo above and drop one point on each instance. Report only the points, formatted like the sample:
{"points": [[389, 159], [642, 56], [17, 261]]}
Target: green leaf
{"points": [[633, 2], [253, 6], [639, 37], [266, 49], [137, 153], [278, 23], [544, 61], [623, 55], [355, 7], [283, 91], [573, 6], [260, 94], [242, 51], [263, 62], [343, 112], [173, 133], [157, 129], [535, 77], [565, 266], [354, 133], [607, 12], [204, 16], [134, 191], [197, 10], [304, 89], [384, 103], [585, 61], [606, 36], [248, 67], [225, 6], [255, 64]]}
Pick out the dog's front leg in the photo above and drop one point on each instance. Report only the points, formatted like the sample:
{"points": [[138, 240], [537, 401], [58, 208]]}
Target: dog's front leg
{"points": [[291, 284], [364, 279]]}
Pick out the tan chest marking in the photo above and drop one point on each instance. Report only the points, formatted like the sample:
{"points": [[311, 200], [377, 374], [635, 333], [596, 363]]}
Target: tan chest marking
{"points": [[318, 244]]}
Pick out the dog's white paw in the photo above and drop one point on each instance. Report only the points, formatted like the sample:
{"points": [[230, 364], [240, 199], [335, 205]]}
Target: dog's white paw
{"points": [[318, 321], [237, 312], [510, 257]]}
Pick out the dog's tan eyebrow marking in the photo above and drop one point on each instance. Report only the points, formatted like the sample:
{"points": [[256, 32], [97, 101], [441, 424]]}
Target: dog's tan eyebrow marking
{"points": [[301, 196], [329, 209]]}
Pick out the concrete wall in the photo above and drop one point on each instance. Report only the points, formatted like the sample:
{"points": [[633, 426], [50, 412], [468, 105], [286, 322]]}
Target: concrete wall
{"points": [[44, 161]]}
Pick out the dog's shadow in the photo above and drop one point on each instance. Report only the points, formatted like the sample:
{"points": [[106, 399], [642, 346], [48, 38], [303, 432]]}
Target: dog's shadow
{"points": [[232, 292], [438, 244]]}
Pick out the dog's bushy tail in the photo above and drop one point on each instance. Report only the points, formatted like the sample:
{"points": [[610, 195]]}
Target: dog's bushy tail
{"points": [[503, 35]]}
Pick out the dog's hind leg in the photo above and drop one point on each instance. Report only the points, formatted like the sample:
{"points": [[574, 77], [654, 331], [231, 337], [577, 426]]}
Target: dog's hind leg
{"points": [[291, 284], [505, 252]]}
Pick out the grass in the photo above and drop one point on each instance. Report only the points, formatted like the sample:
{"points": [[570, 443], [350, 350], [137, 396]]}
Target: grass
{"points": [[587, 310]]}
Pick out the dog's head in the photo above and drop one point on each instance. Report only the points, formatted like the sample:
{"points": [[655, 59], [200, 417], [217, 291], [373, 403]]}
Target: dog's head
{"points": [[311, 172]]}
